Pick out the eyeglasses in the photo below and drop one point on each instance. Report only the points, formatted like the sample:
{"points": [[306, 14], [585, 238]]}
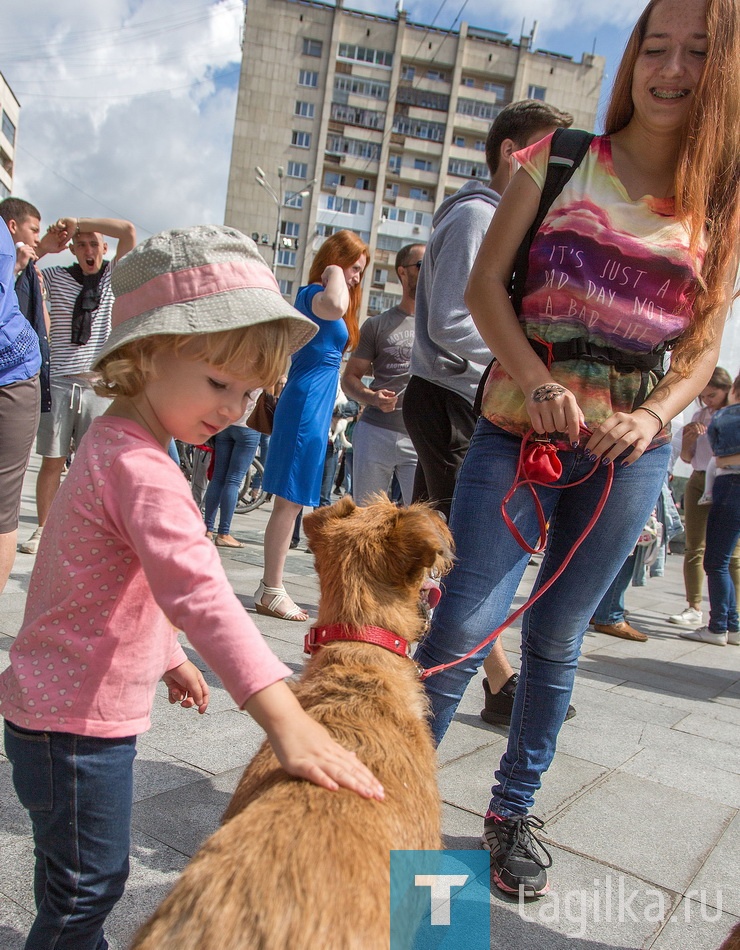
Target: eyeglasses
{"points": [[417, 264]]}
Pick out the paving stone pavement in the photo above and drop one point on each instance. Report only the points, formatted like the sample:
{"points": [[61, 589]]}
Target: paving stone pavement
{"points": [[642, 802]]}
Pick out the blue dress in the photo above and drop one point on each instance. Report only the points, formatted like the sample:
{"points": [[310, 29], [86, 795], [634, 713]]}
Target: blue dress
{"points": [[295, 461]]}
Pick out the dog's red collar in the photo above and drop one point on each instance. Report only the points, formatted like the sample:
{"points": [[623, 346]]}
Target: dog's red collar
{"points": [[331, 633]]}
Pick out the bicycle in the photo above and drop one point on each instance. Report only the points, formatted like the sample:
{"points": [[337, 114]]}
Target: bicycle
{"points": [[246, 501]]}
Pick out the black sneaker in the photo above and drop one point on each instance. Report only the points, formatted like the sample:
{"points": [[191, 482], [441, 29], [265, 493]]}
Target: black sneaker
{"points": [[497, 710], [518, 860]]}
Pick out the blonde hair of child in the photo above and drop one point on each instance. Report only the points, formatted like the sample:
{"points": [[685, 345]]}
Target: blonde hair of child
{"points": [[260, 350]]}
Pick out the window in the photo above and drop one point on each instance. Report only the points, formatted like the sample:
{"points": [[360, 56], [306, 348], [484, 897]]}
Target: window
{"points": [[305, 109], [372, 88], [4, 192], [408, 95], [333, 180], [379, 302], [479, 145], [537, 92], [408, 73], [391, 191], [478, 109], [459, 140], [301, 139], [437, 75], [363, 184], [464, 169], [394, 163], [419, 194], [308, 78], [8, 128], [297, 170], [387, 242], [366, 118], [312, 47], [433, 131], [363, 54], [286, 258], [380, 276], [290, 228], [467, 81], [345, 205], [496, 87], [423, 165], [286, 287], [293, 199], [339, 145]]}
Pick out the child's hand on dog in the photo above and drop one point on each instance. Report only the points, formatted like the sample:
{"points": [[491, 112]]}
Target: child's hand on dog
{"points": [[303, 746], [186, 686]]}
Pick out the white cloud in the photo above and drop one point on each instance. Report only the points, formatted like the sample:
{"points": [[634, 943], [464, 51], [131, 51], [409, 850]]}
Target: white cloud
{"points": [[127, 107]]}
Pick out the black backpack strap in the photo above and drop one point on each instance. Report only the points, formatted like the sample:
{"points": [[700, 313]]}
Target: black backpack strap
{"points": [[567, 150]]}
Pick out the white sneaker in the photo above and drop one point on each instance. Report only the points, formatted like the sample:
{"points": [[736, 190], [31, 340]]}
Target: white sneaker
{"points": [[705, 635], [733, 638], [32, 545], [687, 618]]}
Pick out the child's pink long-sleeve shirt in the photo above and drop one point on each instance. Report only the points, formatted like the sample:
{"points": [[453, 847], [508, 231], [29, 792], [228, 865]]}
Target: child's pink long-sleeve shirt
{"points": [[123, 565]]}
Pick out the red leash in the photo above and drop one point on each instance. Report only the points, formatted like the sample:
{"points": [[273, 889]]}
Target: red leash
{"points": [[538, 465]]}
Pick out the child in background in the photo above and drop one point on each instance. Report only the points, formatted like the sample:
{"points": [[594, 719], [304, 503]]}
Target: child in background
{"points": [[124, 564]]}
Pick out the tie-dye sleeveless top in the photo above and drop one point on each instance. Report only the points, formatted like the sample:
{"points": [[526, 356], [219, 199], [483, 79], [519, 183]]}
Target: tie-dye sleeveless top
{"points": [[605, 268]]}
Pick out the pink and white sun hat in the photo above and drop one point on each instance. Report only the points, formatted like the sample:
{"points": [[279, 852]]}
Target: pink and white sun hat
{"points": [[203, 279]]}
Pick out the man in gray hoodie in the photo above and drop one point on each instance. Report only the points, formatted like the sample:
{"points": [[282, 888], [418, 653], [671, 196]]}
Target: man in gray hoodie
{"points": [[449, 356]]}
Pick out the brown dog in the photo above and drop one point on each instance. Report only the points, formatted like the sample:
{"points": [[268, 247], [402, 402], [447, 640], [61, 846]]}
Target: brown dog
{"points": [[294, 865]]}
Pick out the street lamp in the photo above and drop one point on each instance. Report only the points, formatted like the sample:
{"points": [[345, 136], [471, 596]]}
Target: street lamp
{"points": [[280, 201]]}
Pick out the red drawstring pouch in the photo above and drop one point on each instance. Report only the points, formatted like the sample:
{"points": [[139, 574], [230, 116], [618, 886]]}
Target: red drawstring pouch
{"points": [[538, 465], [540, 462]]}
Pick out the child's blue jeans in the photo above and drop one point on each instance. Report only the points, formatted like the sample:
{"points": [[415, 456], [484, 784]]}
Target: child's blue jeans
{"points": [[78, 791]]}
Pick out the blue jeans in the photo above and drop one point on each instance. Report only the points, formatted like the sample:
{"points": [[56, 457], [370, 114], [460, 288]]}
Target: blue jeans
{"points": [[723, 531], [611, 605], [478, 592], [78, 791], [327, 479], [235, 448]]}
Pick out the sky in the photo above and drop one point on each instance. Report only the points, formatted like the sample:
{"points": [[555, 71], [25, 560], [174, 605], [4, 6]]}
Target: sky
{"points": [[128, 105]]}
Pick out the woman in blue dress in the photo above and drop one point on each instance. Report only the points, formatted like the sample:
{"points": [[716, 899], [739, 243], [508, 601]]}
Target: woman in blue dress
{"points": [[303, 415]]}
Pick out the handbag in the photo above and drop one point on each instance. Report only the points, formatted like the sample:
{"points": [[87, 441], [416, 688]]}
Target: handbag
{"points": [[261, 417]]}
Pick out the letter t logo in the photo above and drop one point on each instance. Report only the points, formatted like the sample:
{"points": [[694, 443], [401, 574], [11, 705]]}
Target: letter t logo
{"points": [[440, 886]]}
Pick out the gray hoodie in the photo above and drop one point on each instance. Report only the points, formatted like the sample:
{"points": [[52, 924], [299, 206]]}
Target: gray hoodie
{"points": [[448, 350]]}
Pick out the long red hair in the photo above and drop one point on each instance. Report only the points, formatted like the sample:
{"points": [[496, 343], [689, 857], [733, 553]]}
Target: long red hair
{"points": [[707, 179], [343, 248]]}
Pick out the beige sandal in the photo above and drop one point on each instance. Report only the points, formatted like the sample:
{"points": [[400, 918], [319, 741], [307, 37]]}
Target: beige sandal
{"points": [[227, 541], [278, 595]]}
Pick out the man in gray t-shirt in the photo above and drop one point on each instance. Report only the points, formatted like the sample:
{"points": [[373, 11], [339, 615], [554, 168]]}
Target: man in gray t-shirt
{"points": [[380, 445]]}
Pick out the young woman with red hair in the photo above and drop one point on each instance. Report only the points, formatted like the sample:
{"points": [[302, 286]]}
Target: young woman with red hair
{"points": [[303, 415], [638, 253]]}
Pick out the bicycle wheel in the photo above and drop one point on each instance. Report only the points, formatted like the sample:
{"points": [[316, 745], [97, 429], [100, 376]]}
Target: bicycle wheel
{"points": [[246, 502]]}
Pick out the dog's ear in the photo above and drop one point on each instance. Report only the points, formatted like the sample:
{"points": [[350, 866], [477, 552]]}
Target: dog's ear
{"points": [[315, 523], [421, 541]]}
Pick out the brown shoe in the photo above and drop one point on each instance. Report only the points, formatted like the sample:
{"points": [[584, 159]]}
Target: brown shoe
{"points": [[622, 630]]}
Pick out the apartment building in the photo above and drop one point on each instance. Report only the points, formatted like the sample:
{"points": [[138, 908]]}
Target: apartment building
{"points": [[350, 120], [9, 112]]}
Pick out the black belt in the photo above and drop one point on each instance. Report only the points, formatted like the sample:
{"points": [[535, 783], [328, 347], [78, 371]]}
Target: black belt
{"points": [[580, 349]]}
